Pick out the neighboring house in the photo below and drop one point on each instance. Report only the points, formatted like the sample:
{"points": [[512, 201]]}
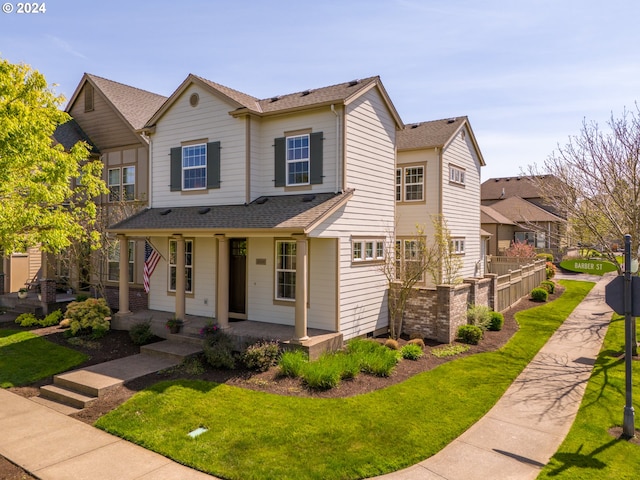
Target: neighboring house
{"points": [[519, 200], [438, 174], [109, 116], [276, 210], [501, 229]]}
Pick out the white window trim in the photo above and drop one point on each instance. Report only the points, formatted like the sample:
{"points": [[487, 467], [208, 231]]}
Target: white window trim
{"points": [[458, 246], [123, 185], [115, 247], [289, 162], [457, 175], [284, 270], [187, 267], [359, 250], [401, 184], [398, 184], [198, 167]]}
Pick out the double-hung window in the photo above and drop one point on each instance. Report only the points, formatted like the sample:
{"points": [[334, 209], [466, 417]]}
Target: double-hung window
{"points": [[188, 265], [121, 183], [410, 184], [298, 160], [113, 269], [194, 167], [285, 270]]}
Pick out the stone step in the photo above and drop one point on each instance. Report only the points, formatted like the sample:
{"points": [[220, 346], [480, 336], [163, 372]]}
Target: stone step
{"points": [[87, 382], [57, 406], [186, 337], [172, 350], [66, 397]]}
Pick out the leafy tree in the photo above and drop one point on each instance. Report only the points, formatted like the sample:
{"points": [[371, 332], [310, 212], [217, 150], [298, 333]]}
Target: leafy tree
{"points": [[37, 202], [598, 182]]}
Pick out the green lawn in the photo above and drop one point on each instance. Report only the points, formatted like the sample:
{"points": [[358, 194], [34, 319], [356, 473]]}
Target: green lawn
{"points": [[26, 358], [589, 452], [254, 435]]}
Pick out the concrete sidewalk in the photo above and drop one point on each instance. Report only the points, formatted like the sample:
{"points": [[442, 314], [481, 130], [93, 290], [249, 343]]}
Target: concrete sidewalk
{"points": [[519, 435], [514, 440]]}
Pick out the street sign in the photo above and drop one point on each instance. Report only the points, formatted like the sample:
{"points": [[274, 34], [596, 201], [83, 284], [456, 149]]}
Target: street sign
{"points": [[614, 295]]}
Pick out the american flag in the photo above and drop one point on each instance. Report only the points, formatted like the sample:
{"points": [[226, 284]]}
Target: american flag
{"points": [[151, 259]]}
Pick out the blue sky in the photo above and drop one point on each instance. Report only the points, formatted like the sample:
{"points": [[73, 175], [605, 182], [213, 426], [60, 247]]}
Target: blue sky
{"points": [[526, 73]]}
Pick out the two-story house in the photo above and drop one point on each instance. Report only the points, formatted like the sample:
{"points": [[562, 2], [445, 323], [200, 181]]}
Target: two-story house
{"points": [[438, 178], [275, 210], [111, 114]]}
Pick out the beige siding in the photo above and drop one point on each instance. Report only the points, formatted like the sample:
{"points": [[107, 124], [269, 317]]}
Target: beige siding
{"points": [[103, 125], [129, 156], [209, 120], [461, 205]]}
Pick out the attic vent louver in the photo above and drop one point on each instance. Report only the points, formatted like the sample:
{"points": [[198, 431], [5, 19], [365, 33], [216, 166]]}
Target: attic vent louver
{"points": [[308, 198], [262, 200], [204, 210], [306, 92], [274, 99], [354, 82], [451, 120], [166, 211]]}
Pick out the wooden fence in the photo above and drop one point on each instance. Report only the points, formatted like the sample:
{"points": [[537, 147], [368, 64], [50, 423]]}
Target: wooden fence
{"points": [[518, 282]]}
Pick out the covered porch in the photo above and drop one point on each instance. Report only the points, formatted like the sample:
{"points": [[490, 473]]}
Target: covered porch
{"points": [[243, 332]]}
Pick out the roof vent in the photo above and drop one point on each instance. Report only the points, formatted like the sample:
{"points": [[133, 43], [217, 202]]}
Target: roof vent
{"points": [[415, 125], [274, 99], [451, 120], [166, 211], [262, 200], [204, 210], [353, 83], [306, 92], [308, 198]]}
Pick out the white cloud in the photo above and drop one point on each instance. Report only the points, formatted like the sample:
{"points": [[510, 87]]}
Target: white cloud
{"points": [[65, 46]]}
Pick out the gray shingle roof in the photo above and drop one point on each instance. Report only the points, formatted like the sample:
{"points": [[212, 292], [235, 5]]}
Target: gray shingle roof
{"points": [[69, 133], [135, 105], [521, 211], [491, 216], [522, 187], [431, 134], [288, 212]]}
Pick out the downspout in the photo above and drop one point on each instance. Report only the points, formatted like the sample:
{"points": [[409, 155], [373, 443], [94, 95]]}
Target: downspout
{"points": [[149, 171], [338, 163]]}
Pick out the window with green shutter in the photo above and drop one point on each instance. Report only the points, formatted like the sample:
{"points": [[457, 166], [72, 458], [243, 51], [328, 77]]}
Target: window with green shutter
{"points": [[298, 160], [195, 167]]}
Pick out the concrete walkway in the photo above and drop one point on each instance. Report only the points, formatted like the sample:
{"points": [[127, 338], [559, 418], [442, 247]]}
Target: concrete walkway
{"points": [[519, 435], [513, 441]]}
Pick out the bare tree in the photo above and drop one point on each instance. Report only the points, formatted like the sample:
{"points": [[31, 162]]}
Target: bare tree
{"points": [[446, 270], [597, 182]]}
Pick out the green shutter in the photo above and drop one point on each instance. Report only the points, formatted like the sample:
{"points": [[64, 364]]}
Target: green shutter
{"points": [[176, 169], [213, 165], [315, 161], [280, 162]]}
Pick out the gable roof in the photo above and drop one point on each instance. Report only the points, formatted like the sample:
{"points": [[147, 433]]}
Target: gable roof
{"points": [[284, 213], [243, 104], [134, 105], [523, 187], [521, 211], [492, 216], [69, 133], [434, 134]]}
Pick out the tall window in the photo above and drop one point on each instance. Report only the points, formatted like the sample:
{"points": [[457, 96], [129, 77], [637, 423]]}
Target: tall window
{"points": [[113, 269], [298, 160], [398, 184], [413, 183], [121, 183], [194, 167], [285, 270], [410, 259], [188, 265]]}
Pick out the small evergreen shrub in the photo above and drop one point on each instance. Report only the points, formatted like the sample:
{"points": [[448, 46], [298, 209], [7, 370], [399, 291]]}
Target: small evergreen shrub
{"points": [[392, 344], [292, 362], [411, 351], [52, 319], [549, 286], [27, 320], [349, 365], [497, 322], [81, 297], [479, 315], [417, 341], [539, 294], [545, 256], [90, 316], [140, 333], [321, 375], [261, 355], [218, 350], [470, 334], [374, 358]]}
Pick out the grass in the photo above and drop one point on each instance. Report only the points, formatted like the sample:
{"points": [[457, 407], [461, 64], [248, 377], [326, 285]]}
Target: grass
{"points": [[26, 358], [449, 350], [589, 452], [255, 435]]}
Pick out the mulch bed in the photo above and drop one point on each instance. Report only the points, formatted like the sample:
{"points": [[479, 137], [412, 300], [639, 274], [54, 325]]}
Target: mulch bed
{"points": [[117, 344]]}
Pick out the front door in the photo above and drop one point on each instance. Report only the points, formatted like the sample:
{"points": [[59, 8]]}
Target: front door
{"points": [[237, 277]]}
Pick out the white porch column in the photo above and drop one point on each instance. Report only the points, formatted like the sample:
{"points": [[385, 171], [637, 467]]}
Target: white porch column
{"points": [[123, 286], [222, 282], [180, 277], [301, 289]]}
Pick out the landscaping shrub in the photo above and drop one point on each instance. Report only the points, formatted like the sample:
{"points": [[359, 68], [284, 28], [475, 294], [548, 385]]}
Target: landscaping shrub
{"points": [[140, 333], [551, 270], [539, 294], [449, 350], [470, 334], [549, 286], [27, 320], [411, 351], [90, 316], [261, 355], [479, 315], [292, 362], [417, 341], [374, 358], [349, 365], [218, 350], [81, 297], [392, 344], [497, 322], [52, 319], [545, 256], [321, 374]]}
